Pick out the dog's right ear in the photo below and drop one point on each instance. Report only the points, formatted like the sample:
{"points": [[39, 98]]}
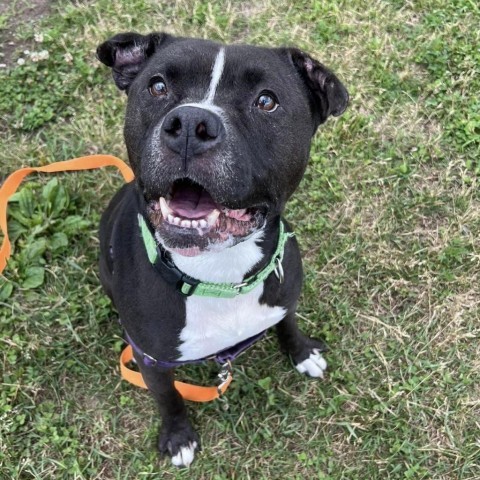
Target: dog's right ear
{"points": [[127, 53]]}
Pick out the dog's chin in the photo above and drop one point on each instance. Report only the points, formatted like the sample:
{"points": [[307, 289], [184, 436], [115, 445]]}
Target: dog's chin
{"points": [[189, 222]]}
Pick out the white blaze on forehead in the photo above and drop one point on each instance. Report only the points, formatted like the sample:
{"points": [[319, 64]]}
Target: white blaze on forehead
{"points": [[217, 71]]}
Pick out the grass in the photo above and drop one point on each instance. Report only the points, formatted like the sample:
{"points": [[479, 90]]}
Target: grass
{"points": [[388, 217]]}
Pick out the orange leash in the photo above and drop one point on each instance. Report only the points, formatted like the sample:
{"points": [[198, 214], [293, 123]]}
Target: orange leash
{"points": [[12, 182], [194, 393]]}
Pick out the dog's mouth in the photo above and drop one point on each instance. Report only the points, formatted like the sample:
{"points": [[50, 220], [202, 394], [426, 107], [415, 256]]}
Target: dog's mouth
{"points": [[189, 221]]}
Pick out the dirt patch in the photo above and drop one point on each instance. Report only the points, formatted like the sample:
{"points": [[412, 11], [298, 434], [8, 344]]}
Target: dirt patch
{"points": [[13, 17]]}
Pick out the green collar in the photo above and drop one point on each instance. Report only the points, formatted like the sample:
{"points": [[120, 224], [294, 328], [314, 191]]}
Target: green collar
{"points": [[187, 285]]}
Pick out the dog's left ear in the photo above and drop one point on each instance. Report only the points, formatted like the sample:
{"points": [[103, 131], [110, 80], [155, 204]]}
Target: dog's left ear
{"points": [[127, 54], [329, 95]]}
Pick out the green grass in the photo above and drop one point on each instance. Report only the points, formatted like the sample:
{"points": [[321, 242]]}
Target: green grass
{"points": [[388, 217]]}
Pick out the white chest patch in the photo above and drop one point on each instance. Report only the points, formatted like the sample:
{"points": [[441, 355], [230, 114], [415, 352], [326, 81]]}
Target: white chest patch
{"points": [[214, 324]]}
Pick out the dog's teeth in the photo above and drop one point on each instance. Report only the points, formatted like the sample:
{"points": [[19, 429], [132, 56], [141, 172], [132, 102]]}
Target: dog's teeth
{"points": [[170, 218], [176, 221], [186, 223], [164, 208], [202, 223], [213, 217], [194, 223]]}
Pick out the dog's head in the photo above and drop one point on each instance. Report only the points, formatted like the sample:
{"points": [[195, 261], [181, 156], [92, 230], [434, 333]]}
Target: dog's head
{"points": [[218, 135]]}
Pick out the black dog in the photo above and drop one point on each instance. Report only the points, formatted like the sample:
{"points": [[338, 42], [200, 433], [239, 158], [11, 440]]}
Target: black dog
{"points": [[194, 252]]}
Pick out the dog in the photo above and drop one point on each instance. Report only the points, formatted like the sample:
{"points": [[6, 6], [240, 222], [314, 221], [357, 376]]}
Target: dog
{"points": [[218, 137]]}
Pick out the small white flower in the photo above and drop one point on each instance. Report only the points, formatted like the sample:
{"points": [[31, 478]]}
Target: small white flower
{"points": [[34, 56], [3, 65], [68, 57], [21, 61], [43, 55], [26, 52], [38, 37]]}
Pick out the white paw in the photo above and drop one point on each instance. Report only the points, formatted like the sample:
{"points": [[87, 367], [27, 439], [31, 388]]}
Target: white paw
{"points": [[314, 366], [185, 456]]}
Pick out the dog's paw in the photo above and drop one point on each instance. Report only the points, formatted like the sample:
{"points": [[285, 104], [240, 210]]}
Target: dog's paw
{"points": [[314, 365], [180, 444], [307, 357], [185, 456]]}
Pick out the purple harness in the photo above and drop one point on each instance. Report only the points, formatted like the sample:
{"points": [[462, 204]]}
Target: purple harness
{"points": [[222, 357]]}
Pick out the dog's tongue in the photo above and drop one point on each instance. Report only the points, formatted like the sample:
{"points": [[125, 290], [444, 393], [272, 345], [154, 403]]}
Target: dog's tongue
{"points": [[191, 201]]}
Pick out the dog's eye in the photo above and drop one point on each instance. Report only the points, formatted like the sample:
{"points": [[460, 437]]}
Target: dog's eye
{"points": [[266, 102], [158, 88]]}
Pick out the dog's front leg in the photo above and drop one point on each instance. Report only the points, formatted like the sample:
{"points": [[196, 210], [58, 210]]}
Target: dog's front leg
{"points": [[177, 436]]}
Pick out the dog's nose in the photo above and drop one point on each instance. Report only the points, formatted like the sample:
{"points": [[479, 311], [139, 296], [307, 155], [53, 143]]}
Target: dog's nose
{"points": [[192, 130]]}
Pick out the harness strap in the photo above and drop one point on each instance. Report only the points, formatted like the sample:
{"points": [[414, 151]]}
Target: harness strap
{"points": [[10, 185], [221, 357]]}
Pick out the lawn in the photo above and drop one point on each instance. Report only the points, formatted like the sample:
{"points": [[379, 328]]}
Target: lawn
{"points": [[388, 218]]}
